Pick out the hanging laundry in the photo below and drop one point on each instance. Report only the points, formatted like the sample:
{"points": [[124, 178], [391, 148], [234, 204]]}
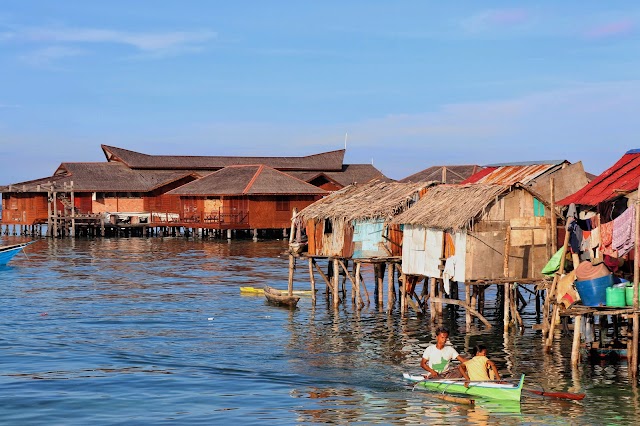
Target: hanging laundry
{"points": [[575, 236], [606, 239], [624, 232], [448, 273]]}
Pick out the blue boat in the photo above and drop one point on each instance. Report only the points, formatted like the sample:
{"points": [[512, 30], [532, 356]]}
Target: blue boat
{"points": [[8, 252]]}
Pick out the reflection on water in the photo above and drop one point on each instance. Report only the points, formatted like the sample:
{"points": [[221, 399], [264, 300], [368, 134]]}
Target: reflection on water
{"points": [[155, 330]]}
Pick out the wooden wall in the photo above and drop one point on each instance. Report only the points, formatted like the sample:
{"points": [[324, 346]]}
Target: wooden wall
{"points": [[24, 208], [529, 248]]}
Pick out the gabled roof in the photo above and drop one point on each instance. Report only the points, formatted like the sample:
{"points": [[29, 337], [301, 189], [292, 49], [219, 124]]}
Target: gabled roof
{"points": [[511, 173], [247, 180], [365, 201], [348, 175], [104, 177], [451, 174], [619, 179], [451, 206], [331, 160]]}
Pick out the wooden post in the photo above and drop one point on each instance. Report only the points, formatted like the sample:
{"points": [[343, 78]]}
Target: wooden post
{"points": [[432, 295], [467, 298], [73, 212], [359, 302], [312, 278], [49, 230], [554, 220], [336, 280], [575, 348], [550, 325], [380, 267], [291, 267], [636, 277], [507, 306], [391, 293], [55, 214]]}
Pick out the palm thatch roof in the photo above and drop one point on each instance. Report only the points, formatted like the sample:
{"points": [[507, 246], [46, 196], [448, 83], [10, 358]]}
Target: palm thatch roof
{"points": [[452, 207], [372, 200], [247, 180]]}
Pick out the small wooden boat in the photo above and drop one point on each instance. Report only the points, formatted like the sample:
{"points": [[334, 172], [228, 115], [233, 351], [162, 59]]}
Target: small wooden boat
{"points": [[277, 297], [8, 252], [490, 389], [260, 291]]}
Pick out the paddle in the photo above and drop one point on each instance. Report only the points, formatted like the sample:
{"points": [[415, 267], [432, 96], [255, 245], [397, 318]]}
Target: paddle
{"points": [[559, 395]]}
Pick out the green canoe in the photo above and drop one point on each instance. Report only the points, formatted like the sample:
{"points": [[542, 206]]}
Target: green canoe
{"points": [[485, 389]]}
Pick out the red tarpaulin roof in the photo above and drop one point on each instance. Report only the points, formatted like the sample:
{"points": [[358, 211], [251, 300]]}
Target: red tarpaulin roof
{"points": [[615, 181]]}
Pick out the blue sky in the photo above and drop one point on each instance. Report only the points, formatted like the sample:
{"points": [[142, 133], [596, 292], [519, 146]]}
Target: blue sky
{"points": [[411, 83]]}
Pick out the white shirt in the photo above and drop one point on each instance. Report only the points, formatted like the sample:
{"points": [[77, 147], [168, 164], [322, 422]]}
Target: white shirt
{"points": [[439, 358]]}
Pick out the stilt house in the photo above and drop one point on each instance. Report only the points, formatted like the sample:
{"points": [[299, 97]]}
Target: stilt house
{"points": [[475, 232], [355, 221]]}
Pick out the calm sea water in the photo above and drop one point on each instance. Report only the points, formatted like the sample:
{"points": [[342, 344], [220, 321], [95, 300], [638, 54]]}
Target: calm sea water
{"points": [[155, 331]]}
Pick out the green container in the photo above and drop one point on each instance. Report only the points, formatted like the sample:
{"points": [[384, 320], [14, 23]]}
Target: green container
{"points": [[629, 295], [616, 296]]}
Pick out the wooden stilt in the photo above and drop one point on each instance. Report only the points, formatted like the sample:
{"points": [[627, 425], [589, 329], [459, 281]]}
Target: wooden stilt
{"points": [[467, 307], [324, 277], [575, 347], [467, 299], [432, 296], [291, 268], [391, 292], [636, 277], [336, 280], [380, 283], [507, 307], [312, 278], [359, 302]]}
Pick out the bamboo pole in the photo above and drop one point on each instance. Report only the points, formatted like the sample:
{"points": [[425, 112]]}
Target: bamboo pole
{"points": [[575, 347], [312, 278]]}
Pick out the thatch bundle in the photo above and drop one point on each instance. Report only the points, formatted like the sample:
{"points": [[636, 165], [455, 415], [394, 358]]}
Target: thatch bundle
{"points": [[375, 200], [451, 207]]}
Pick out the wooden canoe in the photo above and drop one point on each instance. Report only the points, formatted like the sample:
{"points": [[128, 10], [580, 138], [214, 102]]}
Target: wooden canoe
{"points": [[260, 291], [277, 297], [8, 252]]}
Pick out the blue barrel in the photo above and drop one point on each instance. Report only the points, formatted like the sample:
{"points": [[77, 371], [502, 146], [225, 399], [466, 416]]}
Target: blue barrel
{"points": [[594, 292]]}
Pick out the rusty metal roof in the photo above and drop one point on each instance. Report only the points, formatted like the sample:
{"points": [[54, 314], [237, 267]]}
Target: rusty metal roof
{"points": [[509, 175]]}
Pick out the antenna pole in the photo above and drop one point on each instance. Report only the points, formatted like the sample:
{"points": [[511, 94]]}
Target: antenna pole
{"points": [[345, 140]]}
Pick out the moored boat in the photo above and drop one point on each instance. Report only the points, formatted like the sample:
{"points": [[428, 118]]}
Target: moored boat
{"points": [[499, 390], [278, 297], [8, 252]]}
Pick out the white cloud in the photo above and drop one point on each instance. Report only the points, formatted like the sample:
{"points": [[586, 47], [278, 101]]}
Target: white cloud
{"points": [[147, 42], [48, 55]]}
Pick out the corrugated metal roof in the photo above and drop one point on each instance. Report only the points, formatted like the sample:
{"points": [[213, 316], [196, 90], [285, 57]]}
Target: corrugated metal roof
{"points": [[623, 176], [509, 175]]}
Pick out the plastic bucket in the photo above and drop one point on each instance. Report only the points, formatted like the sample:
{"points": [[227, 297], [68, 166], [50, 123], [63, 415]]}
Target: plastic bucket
{"points": [[629, 295], [615, 296], [594, 292]]}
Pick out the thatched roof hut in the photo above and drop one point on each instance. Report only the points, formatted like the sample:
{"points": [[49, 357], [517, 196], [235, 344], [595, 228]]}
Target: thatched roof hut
{"points": [[472, 224], [353, 222]]}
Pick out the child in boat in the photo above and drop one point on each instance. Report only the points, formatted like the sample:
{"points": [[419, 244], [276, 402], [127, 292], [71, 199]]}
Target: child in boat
{"points": [[436, 357], [479, 367]]}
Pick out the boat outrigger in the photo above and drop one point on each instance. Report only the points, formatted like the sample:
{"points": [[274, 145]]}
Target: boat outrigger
{"points": [[8, 252], [491, 389]]}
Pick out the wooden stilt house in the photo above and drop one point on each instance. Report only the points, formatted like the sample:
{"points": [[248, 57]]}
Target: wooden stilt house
{"points": [[476, 234]]}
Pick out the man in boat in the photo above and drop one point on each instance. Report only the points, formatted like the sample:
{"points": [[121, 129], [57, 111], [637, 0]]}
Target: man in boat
{"points": [[436, 358], [479, 368]]}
